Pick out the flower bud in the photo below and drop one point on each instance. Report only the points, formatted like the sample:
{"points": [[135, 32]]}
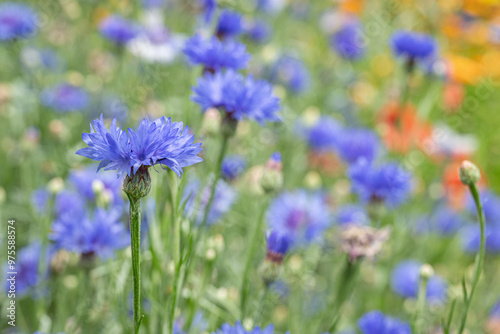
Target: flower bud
{"points": [[211, 122], [138, 185], [426, 271], [97, 186], [272, 176], [228, 126], [469, 173], [55, 185]]}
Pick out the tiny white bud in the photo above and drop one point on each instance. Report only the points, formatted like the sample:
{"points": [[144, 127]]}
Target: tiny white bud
{"points": [[97, 186], [55, 185], [426, 271]]}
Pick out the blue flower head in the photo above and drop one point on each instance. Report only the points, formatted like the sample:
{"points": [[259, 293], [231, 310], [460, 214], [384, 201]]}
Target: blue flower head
{"points": [[405, 282], [69, 203], [64, 98], [258, 31], [412, 45], [491, 207], [208, 9], [17, 20], [357, 144], [233, 166], [290, 72], [40, 200], [224, 199], [471, 238], [160, 142], [237, 96], [348, 41], [214, 54], [277, 245], [230, 24], [27, 268], [375, 322], [118, 30], [323, 135], [387, 183], [100, 234], [300, 215], [443, 221], [352, 214]]}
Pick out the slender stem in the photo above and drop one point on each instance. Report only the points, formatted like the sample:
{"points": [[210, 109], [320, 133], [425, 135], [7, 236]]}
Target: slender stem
{"points": [[177, 251], [479, 261], [344, 290], [262, 305], [135, 240], [257, 235], [419, 320]]}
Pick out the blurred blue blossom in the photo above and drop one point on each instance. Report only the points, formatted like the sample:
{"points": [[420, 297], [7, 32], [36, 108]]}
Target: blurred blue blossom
{"points": [[300, 215], [272, 7], [258, 31], [214, 54], [321, 136], [154, 4], [101, 234], [233, 166], [375, 322], [471, 238], [87, 182], [239, 97], [277, 244], [405, 282], [65, 98], [413, 45], [290, 72], [358, 144], [352, 214], [491, 206], [239, 329], [388, 183], [230, 24], [197, 200], [208, 9], [40, 199], [156, 44], [444, 221], [17, 20], [69, 203], [42, 58], [348, 41], [161, 142], [118, 29]]}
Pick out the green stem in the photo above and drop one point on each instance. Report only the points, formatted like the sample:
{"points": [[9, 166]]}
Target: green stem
{"points": [[344, 290], [479, 261], [257, 235], [177, 252], [135, 240], [262, 306], [419, 320]]}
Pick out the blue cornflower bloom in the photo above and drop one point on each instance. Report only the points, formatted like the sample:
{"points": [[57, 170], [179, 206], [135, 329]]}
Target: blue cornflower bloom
{"points": [[87, 182], [69, 203], [300, 215], [290, 72], [230, 24], [258, 31], [100, 234], [323, 135], [352, 214], [27, 266], [43, 58], [17, 21], [405, 282], [208, 9], [412, 45], [160, 142], [118, 29], [277, 245], [443, 221], [233, 166], [239, 329], [64, 98], [214, 54], [348, 41], [357, 144], [237, 96], [388, 183], [471, 238], [224, 198], [375, 322]]}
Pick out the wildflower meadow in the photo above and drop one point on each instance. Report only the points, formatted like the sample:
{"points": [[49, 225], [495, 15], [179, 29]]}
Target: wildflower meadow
{"points": [[250, 167]]}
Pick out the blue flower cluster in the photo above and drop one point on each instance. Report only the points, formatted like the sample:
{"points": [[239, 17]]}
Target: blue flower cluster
{"points": [[299, 215], [348, 40], [161, 142], [17, 21], [118, 29], [290, 72], [405, 282], [233, 166], [237, 96], [214, 54], [64, 98], [412, 45], [375, 322]]}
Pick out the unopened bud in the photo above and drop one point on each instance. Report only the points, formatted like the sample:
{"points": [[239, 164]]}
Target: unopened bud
{"points": [[97, 186], [55, 185], [211, 122], [469, 173], [426, 271], [272, 176], [138, 185]]}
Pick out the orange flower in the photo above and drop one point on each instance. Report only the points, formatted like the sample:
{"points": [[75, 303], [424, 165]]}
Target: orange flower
{"points": [[326, 162], [401, 127], [352, 6], [455, 191], [453, 96], [464, 70]]}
